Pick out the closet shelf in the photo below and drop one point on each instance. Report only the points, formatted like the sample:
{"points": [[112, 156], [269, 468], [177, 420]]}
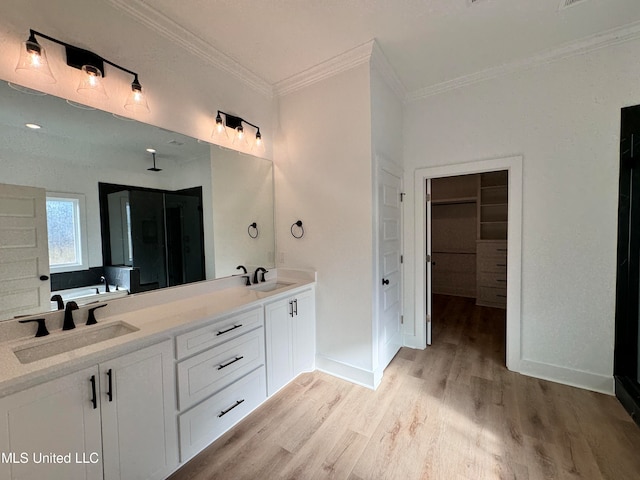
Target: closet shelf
{"points": [[453, 253], [454, 201]]}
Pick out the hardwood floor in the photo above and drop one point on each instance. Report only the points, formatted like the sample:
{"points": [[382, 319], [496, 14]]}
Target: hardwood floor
{"points": [[450, 412]]}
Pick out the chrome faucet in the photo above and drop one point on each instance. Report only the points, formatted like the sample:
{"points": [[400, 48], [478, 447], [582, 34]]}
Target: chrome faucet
{"points": [[106, 284], [255, 275], [68, 316]]}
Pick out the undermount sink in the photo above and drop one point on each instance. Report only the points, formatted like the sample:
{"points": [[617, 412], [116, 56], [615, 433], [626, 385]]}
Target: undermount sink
{"points": [[270, 287], [45, 348]]}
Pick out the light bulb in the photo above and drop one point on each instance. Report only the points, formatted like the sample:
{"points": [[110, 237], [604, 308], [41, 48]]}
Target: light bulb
{"points": [[33, 62], [240, 139], [219, 131], [136, 101], [91, 83], [258, 145]]}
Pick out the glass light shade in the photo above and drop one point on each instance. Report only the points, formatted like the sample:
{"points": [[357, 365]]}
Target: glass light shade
{"points": [[136, 101], [240, 138], [91, 83], [219, 131], [33, 63], [258, 145]]}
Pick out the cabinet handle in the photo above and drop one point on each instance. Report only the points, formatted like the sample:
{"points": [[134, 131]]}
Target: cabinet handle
{"points": [[110, 391], [502, 280], [295, 303], [223, 365], [224, 412], [501, 249], [501, 264], [501, 296], [222, 332], [385, 281], [94, 399], [291, 308]]}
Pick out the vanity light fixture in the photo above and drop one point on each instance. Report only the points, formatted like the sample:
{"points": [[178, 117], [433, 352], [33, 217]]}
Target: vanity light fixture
{"points": [[240, 136], [33, 61]]}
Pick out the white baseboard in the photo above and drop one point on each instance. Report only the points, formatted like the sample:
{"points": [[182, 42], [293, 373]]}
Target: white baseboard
{"points": [[350, 373], [567, 376]]}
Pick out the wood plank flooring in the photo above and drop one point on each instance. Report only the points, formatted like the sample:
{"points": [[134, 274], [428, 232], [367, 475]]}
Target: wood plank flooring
{"points": [[450, 412]]}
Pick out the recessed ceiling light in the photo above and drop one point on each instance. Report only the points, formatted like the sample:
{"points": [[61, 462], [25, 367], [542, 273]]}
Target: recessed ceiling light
{"points": [[151, 150], [33, 126]]}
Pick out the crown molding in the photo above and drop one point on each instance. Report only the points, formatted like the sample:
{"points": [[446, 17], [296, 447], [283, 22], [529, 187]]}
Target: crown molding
{"points": [[605, 39], [380, 63], [156, 21], [338, 64]]}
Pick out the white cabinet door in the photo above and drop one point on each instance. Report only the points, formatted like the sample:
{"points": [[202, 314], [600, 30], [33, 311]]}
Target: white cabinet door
{"points": [[139, 414], [304, 332], [24, 251], [290, 330], [54, 418], [278, 344]]}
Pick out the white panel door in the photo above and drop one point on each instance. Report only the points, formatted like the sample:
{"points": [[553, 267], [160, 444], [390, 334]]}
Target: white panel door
{"points": [[389, 251], [60, 417], [24, 251]]}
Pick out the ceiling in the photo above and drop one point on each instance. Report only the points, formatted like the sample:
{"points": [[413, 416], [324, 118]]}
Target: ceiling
{"points": [[426, 42]]}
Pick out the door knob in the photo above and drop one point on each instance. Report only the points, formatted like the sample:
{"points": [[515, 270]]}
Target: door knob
{"points": [[385, 281]]}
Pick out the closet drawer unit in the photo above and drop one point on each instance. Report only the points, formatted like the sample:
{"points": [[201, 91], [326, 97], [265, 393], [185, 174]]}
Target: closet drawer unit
{"points": [[218, 332], [214, 369], [491, 249], [492, 279], [207, 421], [492, 265], [492, 297]]}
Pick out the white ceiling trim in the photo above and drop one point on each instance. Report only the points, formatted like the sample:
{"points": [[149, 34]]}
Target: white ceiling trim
{"points": [[594, 42], [169, 29], [340, 63], [381, 64]]}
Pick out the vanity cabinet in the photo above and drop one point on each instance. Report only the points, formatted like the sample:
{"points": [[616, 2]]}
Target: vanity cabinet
{"points": [[290, 333], [221, 377], [115, 420]]}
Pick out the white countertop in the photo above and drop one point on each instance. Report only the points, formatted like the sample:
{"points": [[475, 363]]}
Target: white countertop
{"points": [[157, 315]]}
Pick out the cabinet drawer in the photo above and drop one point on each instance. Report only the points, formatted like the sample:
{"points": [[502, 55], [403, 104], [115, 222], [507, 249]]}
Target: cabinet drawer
{"points": [[492, 279], [220, 331], [212, 370], [491, 249], [492, 297], [207, 421], [492, 265]]}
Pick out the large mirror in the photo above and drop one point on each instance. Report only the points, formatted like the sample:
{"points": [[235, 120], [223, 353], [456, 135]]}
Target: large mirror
{"points": [[76, 149]]}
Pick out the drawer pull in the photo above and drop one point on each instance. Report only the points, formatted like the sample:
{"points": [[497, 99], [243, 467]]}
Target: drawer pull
{"points": [[222, 332], [501, 296], [501, 264], [224, 412], [501, 280], [501, 249], [221, 366], [110, 391]]}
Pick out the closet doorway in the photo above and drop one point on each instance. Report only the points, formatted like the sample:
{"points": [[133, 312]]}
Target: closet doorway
{"points": [[478, 242]]}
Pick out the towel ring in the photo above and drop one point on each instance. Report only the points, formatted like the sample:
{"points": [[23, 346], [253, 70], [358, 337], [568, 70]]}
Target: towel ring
{"points": [[251, 228], [301, 228]]}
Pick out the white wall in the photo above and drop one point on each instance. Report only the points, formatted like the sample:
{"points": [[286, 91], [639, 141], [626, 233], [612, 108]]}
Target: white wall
{"points": [[564, 118], [323, 177]]}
